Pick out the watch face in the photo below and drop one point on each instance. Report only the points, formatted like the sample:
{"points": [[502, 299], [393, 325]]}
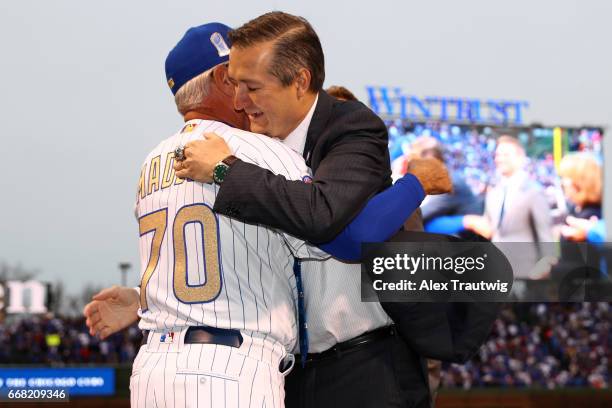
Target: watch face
{"points": [[219, 172]]}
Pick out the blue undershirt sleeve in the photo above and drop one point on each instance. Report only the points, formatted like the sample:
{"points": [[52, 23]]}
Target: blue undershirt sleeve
{"points": [[446, 224], [382, 217], [597, 234]]}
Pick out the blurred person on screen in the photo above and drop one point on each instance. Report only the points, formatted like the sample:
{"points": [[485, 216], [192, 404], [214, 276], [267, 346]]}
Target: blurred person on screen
{"points": [[590, 230], [516, 209], [581, 178]]}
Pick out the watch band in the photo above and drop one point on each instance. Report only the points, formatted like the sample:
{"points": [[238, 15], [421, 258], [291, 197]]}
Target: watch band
{"points": [[220, 170], [229, 160]]}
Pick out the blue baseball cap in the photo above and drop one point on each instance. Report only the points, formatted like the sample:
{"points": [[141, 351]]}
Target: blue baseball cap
{"points": [[201, 48]]}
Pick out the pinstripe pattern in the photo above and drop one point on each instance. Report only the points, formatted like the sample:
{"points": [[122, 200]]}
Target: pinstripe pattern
{"points": [[256, 296], [333, 304], [176, 379], [255, 281]]}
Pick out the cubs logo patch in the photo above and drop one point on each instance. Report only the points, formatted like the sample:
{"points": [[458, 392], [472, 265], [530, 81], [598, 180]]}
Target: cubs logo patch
{"points": [[217, 40], [307, 179]]}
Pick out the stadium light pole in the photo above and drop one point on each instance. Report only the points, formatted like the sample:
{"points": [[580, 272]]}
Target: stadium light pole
{"points": [[124, 267]]}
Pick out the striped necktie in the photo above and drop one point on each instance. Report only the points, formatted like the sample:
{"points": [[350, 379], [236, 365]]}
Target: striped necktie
{"points": [[502, 210]]}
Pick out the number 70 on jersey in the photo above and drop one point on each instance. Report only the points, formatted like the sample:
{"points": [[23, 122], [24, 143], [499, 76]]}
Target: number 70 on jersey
{"points": [[156, 223]]}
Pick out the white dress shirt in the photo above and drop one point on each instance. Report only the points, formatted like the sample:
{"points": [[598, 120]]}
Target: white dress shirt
{"points": [[296, 140], [332, 289]]}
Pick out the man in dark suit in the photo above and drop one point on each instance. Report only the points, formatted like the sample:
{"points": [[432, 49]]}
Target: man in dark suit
{"points": [[277, 67]]}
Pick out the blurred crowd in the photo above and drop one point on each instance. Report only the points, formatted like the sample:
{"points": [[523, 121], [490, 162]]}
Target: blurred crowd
{"points": [[46, 340], [545, 345]]}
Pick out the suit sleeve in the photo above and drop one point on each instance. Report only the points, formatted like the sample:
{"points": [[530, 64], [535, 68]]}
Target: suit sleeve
{"points": [[354, 168]]}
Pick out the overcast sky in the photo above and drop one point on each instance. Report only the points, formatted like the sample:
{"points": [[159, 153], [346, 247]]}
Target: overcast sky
{"points": [[83, 95]]}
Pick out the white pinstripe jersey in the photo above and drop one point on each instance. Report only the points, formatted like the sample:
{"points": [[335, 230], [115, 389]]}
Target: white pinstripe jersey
{"points": [[200, 268]]}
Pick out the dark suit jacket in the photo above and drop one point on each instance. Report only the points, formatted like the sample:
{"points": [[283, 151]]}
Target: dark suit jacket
{"points": [[346, 148]]}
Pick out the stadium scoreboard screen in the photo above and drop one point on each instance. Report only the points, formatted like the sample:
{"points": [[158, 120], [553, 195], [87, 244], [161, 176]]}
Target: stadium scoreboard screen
{"points": [[469, 148]]}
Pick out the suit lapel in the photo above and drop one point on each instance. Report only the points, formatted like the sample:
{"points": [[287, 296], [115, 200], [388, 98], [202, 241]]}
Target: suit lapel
{"points": [[318, 124]]}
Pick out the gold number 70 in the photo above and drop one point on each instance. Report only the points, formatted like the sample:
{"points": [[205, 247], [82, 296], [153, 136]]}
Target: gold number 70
{"points": [[156, 222]]}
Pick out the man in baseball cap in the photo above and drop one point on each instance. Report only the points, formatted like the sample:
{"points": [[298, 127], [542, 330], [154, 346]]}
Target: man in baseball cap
{"points": [[215, 300]]}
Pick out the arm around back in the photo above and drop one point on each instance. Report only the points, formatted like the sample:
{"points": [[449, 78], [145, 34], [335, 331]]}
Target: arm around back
{"points": [[347, 151]]}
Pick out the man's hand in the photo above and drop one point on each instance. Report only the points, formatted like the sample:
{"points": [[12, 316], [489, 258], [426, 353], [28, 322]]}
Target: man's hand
{"points": [[432, 175], [201, 157], [478, 224], [577, 229], [111, 310], [541, 270]]}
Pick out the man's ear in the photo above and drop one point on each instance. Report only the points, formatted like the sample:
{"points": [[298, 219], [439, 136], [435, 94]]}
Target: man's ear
{"points": [[222, 80], [302, 81]]}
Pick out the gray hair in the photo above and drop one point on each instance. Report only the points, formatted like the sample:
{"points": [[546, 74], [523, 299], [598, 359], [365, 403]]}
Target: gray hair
{"points": [[191, 95]]}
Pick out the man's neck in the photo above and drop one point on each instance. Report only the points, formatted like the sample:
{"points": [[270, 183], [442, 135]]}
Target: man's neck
{"points": [[303, 109], [233, 119], [296, 139], [198, 115], [218, 106], [515, 175]]}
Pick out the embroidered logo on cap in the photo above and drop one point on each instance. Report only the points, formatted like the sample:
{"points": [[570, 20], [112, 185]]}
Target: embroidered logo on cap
{"points": [[171, 83], [217, 40]]}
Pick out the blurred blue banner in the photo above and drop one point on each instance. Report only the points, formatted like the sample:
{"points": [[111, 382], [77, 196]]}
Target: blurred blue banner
{"points": [[77, 381]]}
